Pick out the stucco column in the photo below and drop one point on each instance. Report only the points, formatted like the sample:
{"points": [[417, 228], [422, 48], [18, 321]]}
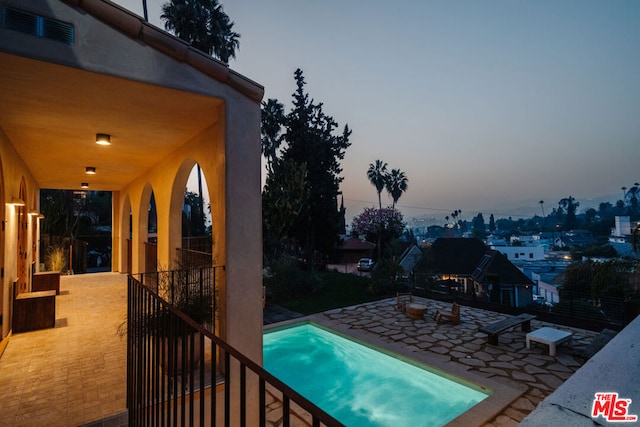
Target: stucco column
{"points": [[244, 229]]}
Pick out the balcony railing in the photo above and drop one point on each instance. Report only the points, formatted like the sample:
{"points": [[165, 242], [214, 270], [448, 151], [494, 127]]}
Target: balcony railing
{"points": [[180, 373]]}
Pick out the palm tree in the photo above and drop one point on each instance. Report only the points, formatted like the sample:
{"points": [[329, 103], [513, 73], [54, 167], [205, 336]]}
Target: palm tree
{"points": [[204, 25], [396, 183], [377, 175]]}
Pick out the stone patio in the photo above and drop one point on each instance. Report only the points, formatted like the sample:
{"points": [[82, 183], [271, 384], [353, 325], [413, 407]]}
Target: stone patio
{"points": [[463, 348]]}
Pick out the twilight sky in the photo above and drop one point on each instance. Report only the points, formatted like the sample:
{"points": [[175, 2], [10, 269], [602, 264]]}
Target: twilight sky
{"points": [[487, 106]]}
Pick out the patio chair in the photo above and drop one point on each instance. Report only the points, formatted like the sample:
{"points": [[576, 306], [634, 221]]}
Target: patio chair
{"points": [[402, 299], [452, 316]]}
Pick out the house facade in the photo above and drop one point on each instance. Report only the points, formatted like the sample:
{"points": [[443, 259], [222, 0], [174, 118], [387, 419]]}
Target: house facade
{"points": [[521, 253], [72, 70], [470, 266]]}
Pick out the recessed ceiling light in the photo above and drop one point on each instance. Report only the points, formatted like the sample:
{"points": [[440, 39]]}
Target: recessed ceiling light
{"points": [[84, 185], [103, 139], [90, 170]]}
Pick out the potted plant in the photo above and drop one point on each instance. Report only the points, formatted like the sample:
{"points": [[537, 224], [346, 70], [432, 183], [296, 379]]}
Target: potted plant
{"points": [[159, 322]]}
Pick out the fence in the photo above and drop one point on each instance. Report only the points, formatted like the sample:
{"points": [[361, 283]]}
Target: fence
{"points": [[179, 373], [198, 244], [189, 258], [573, 308]]}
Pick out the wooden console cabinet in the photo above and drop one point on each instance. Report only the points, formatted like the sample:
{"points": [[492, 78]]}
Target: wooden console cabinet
{"points": [[46, 281], [34, 310]]}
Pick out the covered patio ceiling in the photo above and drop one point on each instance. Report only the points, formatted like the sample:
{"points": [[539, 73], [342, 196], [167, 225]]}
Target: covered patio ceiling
{"points": [[51, 114]]}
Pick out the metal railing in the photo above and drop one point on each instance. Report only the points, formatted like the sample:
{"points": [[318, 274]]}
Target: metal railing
{"points": [[198, 244], [189, 258], [193, 291], [180, 373]]}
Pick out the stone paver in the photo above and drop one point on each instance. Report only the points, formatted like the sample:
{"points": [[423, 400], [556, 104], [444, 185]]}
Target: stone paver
{"points": [[75, 373]]}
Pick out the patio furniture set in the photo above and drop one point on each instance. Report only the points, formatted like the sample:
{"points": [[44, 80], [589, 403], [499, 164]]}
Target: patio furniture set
{"points": [[549, 336]]}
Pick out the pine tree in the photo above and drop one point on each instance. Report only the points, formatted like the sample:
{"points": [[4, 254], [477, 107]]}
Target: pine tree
{"points": [[310, 141]]}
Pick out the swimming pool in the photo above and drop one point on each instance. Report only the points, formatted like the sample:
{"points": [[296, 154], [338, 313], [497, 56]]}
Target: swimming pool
{"points": [[360, 386]]}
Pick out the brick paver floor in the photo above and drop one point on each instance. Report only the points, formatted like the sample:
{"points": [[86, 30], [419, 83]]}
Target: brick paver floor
{"points": [[75, 373]]}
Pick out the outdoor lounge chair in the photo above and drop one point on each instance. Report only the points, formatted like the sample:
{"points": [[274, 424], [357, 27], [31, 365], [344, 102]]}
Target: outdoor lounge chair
{"points": [[402, 299], [452, 316]]}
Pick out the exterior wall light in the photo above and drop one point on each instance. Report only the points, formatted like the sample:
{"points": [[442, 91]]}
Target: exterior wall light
{"points": [[90, 170], [103, 139], [16, 201]]}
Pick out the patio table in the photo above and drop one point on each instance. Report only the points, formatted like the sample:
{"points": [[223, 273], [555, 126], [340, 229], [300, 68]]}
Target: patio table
{"points": [[550, 336], [416, 311]]}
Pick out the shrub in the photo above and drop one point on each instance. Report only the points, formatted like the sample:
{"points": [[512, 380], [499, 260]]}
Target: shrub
{"points": [[286, 280], [56, 258], [387, 277]]}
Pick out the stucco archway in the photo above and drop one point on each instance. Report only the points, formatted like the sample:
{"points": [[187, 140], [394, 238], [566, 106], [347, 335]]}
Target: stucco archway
{"points": [[126, 235], [147, 257], [178, 198]]}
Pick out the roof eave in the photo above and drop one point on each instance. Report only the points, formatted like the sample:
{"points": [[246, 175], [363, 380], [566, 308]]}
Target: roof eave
{"points": [[136, 27]]}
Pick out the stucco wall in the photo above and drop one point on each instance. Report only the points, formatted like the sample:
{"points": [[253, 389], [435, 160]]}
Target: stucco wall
{"points": [[12, 172]]}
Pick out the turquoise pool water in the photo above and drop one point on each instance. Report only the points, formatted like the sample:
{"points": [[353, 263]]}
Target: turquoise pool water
{"points": [[360, 386]]}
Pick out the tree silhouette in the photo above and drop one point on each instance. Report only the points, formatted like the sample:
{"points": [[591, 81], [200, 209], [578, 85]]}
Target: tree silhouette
{"points": [[272, 119], [311, 153], [396, 183], [204, 25], [377, 175], [570, 206]]}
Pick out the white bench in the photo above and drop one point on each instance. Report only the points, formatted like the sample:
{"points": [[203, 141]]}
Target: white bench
{"points": [[549, 336]]}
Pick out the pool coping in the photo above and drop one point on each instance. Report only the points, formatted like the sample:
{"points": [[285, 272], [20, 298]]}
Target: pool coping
{"points": [[502, 395]]}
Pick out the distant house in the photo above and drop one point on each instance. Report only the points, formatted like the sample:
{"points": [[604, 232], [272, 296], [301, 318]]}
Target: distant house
{"points": [[525, 240], [352, 249], [521, 253], [410, 257], [575, 238], [478, 270]]}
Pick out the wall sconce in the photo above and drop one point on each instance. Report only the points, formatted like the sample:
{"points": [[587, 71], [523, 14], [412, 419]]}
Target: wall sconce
{"points": [[103, 139], [84, 185], [90, 170], [16, 201]]}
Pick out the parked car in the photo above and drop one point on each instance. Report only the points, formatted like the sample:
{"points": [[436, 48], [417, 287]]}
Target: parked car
{"points": [[538, 299], [365, 264]]}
